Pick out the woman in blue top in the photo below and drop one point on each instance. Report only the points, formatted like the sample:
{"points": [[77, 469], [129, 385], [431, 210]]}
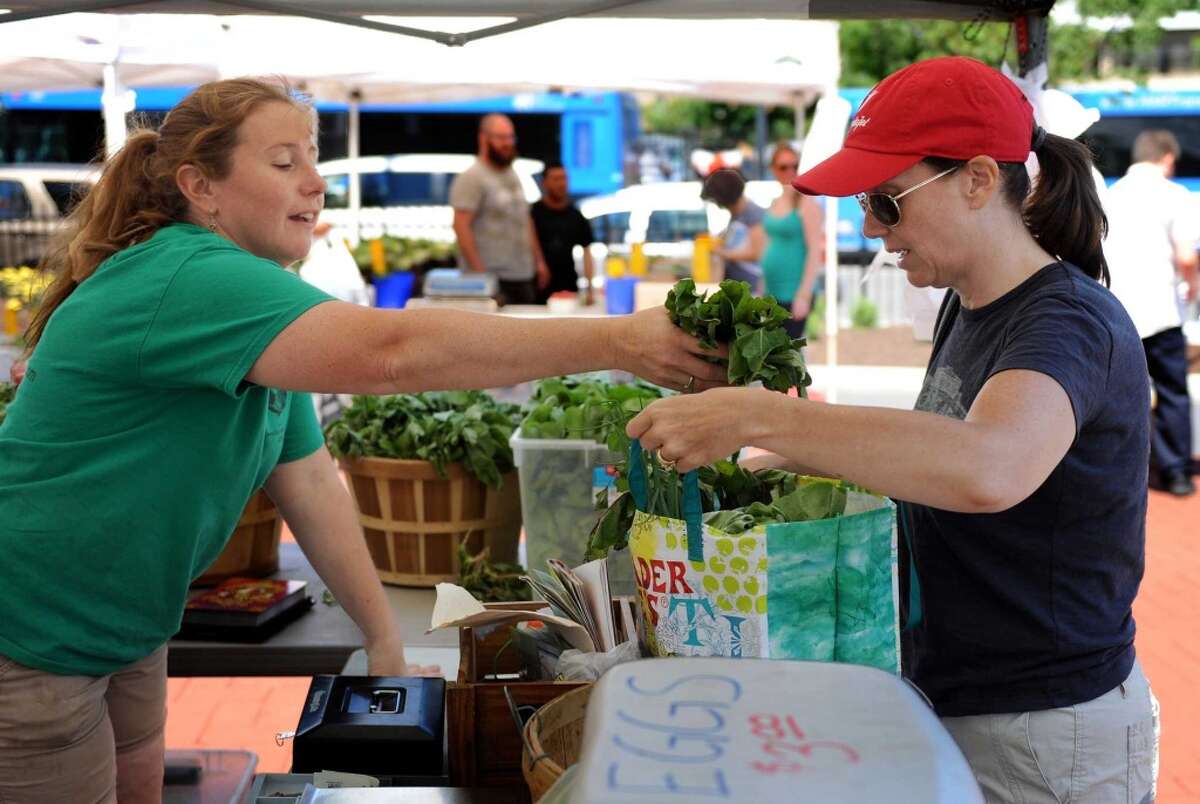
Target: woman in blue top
{"points": [[168, 378], [794, 225], [1022, 471]]}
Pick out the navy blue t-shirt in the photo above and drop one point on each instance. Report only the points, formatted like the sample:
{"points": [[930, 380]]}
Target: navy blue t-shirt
{"points": [[1031, 608]]}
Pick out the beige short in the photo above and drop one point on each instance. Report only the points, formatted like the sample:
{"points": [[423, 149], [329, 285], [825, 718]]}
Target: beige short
{"points": [[1103, 751], [60, 736]]}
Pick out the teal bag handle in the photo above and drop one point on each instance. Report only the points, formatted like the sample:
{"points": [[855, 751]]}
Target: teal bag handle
{"points": [[914, 583], [692, 511]]}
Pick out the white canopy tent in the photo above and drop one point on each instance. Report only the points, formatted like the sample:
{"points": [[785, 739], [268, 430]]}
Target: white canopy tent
{"points": [[511, 66]]}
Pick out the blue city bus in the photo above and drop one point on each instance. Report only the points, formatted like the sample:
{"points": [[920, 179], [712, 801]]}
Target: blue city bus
{"points": [[592, 134], [1123, 115]]}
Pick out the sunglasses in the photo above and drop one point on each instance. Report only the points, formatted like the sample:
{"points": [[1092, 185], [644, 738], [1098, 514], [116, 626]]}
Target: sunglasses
{"points": [[886, 208], [786, 166]]}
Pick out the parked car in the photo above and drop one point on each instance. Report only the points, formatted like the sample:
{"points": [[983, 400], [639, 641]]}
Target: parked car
{"points": [[405, 196], [34, 199], [665, 217]]}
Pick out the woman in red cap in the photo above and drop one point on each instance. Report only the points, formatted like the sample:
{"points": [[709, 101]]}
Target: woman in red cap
{"points": [[1022, 471]]}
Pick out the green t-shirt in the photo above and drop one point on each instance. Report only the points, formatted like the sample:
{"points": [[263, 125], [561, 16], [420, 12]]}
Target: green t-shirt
{"points": [[134, 442]]}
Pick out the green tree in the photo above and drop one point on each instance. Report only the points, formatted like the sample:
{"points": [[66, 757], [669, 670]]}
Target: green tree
{"points": [[714, 125], [871, 49]]}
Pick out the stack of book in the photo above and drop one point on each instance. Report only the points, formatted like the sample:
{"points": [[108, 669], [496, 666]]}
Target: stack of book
{"points": [[244, 609], [582, 596]]}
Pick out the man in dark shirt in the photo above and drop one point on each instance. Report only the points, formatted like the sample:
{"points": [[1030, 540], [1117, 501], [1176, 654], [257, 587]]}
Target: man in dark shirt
{"points": [[560, 227]]}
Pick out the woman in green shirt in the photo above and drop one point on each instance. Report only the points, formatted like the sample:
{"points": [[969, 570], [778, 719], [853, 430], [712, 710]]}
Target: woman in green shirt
{"points": [[794, 225], [168, 378]]}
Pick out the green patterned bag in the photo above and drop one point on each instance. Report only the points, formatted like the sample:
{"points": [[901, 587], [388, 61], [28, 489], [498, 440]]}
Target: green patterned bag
{"points": [[821, 590]]}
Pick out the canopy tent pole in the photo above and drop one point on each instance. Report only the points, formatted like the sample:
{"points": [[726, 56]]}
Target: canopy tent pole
{"points": [[824, 138], [760, 140], [117, 102], [352, 152], [1032, 31]]}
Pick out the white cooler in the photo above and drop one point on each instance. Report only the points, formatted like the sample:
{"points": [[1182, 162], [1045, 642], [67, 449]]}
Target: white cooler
{"points": [[751, 730]]}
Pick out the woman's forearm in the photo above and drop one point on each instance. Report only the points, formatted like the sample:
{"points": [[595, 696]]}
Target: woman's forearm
{"points": [[910, 455], [458, 349], [321, 515]]}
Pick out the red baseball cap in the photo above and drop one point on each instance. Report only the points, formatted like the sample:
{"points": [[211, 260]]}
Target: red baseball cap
{"points": [[952, 107]]}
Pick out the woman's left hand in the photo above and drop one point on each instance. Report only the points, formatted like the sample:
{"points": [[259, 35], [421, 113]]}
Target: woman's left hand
{"points": [[801, 305], [694, 430], [387, 659]]}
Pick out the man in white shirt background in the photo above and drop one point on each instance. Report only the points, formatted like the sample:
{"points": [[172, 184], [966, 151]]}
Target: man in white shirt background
{"points": [[1154, 226]]}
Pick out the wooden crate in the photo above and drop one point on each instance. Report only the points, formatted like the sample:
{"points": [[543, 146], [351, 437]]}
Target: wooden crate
{"points": [[253, 549], [485, 742], [414, 519]]}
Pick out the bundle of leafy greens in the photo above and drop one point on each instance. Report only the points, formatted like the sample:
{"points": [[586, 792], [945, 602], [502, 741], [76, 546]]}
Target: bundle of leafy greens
{"points": [[8, 392], [732, 498], [465, 427], [490, 581], [759, 347]]}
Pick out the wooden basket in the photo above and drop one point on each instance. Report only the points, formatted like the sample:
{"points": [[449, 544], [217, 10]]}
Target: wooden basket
{"points": [[253, 549], [553, 739], [414, 519]]}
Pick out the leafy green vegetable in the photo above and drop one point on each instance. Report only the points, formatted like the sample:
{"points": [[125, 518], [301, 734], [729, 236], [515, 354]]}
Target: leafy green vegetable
{"points": [[612, 529], [8, 392], [759, 347], [490, 581], [466, 427], [586, 409], [403, 254], [732, 498]]}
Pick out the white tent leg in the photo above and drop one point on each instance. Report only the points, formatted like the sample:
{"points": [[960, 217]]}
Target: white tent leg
{"points": [[831, 296], [352, 147], [117, 102]]}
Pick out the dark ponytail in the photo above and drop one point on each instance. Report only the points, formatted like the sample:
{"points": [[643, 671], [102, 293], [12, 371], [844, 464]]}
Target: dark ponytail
{"points": [[1064, 211]]}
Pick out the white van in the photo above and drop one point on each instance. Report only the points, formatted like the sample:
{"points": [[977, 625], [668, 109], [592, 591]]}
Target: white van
{"points": [[406, 195], [665, 216], [34, 199]]}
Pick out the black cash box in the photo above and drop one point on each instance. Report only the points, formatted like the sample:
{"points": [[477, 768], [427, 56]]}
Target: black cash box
{"points": [[377, 725]]}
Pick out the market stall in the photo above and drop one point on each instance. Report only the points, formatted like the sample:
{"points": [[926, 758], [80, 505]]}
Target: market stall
{"points": [[709, 532]]}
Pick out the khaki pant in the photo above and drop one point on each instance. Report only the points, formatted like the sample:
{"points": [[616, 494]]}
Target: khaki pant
{"points": [[82, 739], [1103, 751]]}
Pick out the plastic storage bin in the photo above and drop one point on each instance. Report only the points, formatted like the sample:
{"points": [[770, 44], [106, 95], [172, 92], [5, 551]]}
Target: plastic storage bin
{"points": [[559, 480]]}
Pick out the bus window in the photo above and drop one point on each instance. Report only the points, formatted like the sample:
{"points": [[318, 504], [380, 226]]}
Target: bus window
{"points": [[1111, 138], [388, 189]]}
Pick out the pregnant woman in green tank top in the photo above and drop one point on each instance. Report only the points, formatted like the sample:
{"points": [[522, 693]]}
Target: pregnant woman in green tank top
{"points": [[793, 257]]}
